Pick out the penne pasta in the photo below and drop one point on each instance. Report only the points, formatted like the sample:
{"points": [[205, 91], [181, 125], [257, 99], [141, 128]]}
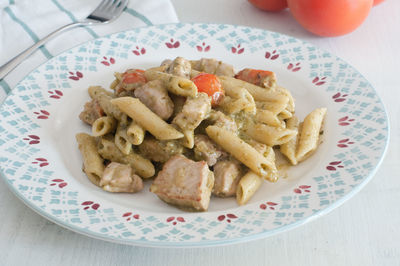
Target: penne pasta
{"points": [[309, 136], [269, 135], [174, 84], [92, 162], [267, 117], [135, 133], [103, 125], [146, 118], [247, 187], [289, 148], [108, 150], [241, 150], [121, 140]]}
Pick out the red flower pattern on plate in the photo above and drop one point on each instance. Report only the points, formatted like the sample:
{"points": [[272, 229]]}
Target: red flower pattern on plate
{"points": [[334, 165], [75, 76], [271, 56], [268, 205], [237, 49], [172, 44], [338, 97], [319, 81], [203, 47], [89, 204], [294, 67], [229, 216], [56, 94], [42, 114], [344, 143], [175, 220], [129, 215], [139, 51], [60, 183], [33, 139], [302, 188], [108, 61], [345, 121], [41, 161]]}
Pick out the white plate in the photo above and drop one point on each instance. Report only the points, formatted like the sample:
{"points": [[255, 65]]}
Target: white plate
{"points": [[41, 163]]}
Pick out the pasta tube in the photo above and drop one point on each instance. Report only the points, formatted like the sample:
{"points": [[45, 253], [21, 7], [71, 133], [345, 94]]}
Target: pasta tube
{"points": [[92, 162], [103, 125], [135, 133], [141, 114], [108, 150], [289, 148], [269, 135], [309, 135], [248, 185], [121, 140], [241, 151], [175, 84]]}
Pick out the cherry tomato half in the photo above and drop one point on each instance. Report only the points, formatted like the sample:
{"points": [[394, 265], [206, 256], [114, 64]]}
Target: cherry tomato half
{"points": [[211, 85]]}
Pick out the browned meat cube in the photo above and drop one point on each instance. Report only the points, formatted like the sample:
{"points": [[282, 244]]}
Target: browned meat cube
{"points": [[227, 176], [212, 66], [180, 67], [222, 120], [91, 112], [160, 151], [184, 183], [120, 178], [155, 96], [207, 150], [193, 112]]}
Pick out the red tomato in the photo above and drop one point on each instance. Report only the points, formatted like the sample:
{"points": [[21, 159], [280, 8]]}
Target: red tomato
{"points": [[134, 76], [377, 2], [211, 85], [269, 5], [330, 17]]}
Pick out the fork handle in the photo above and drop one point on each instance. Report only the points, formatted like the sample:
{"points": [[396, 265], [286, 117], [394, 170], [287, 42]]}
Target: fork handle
{"points": [[13, 63]]}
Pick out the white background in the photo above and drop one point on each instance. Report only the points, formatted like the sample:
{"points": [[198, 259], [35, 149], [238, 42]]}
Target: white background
{"points": [[363, 231]]}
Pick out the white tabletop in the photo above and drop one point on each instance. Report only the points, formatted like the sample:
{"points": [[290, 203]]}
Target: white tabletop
{"points": [[363, 231]]}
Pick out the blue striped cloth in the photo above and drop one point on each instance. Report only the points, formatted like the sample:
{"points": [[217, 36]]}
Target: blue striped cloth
{"points": [[24, 22]]}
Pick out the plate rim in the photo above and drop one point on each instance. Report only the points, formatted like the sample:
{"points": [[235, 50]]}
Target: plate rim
{"points": [[205, 243]]}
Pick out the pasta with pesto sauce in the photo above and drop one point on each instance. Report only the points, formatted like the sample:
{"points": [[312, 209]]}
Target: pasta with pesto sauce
{"points": [[194, 128]]}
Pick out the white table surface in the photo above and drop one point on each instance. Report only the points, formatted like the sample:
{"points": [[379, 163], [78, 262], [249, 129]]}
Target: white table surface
{"points": [[363, 231]]}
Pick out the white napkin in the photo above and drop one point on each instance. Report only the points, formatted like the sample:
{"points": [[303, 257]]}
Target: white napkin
{"points": [[24, 22]]}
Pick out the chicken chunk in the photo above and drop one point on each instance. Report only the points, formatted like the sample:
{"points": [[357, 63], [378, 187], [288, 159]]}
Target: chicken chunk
{"points": [[120, 178], [193, 112], [92, 110], [207, 150], [227, 176], [160, 151], [212, 66], [155, 96], [184, 183], [180, 67]]}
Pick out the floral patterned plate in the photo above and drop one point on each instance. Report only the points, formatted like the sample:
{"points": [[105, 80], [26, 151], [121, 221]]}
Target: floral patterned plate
{"points": [[41, 163]]}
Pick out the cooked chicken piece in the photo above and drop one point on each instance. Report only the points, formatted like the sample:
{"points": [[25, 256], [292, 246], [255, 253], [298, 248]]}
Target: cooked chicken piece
{"points": [[160, 151], [180, 67], [212, 66], [91, 112], [155, 96], [184, 183], [166, 62], [120, 178], [207, 150], [227, 175], [193, 112], [222, 120]]}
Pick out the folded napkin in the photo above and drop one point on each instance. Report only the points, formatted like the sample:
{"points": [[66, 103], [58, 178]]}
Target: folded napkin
{"points": [[24, 22]]}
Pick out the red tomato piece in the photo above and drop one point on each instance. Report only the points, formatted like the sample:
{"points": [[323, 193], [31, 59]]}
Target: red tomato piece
{"points": [[377, 2], [330, 17], [269, 5], [134, 76], [211, 85]]}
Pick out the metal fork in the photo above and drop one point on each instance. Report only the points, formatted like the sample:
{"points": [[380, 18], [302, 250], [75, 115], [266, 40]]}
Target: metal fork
{"points": [[107, 11]]}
